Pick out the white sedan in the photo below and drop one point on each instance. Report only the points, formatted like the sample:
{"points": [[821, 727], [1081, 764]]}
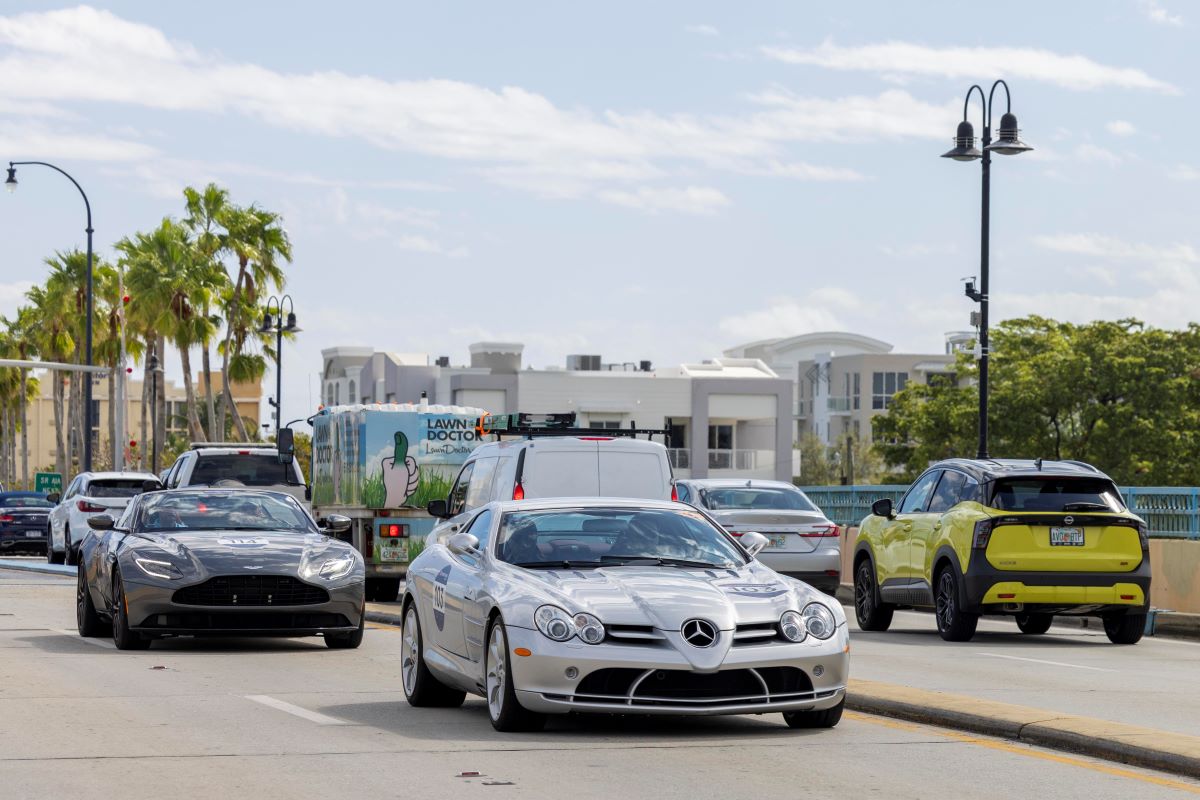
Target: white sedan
{"points": [[616, 606], [91, 493]]}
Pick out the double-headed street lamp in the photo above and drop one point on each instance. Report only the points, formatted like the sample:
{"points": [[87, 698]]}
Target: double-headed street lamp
{"points": [[1009, 144], [277, 324], [11, 185]]}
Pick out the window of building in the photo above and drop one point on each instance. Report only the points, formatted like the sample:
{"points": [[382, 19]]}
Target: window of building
{"points": [[337, 394], [884, 385], [351, 396], [940, 378], [857, 389], [605, 424], [720, 437]]}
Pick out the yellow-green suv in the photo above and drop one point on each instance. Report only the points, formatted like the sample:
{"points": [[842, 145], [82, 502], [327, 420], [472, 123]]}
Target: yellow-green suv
{"points": [[1028, 539]]}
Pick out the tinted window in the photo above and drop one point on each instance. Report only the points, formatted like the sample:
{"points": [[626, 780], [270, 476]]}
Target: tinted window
{"points": [[756, 498], [24, 501], [481, 528], [1056, 494], [248, 470], [479, 492], [222, 511], [594, 537], [948, 493], [914, 501], [115, 487]]}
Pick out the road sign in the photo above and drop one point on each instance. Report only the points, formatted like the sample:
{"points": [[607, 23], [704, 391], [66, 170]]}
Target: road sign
{"points": [[47, 482]]}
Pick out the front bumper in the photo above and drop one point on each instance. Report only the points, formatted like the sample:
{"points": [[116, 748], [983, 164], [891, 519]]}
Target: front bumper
{"points": [[152, 610], [988, 589], [657, 679]]}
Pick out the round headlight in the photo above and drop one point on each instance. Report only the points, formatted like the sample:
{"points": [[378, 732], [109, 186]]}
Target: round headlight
{"points": [[791, 625], [819, 621], [554, 623], [589, 629]]}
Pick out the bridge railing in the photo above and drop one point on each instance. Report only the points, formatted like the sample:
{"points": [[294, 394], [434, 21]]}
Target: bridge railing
{"points": [[1172, 512]]}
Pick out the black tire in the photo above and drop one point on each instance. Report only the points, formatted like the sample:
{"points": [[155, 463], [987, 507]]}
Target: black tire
{"points": [[1034, 624], [1126, 628], [504, 709], [51, 556], [70, 557], [954, 624], [421, 689], [346, 641], [386, 590], [825, 718], [87, 620], [123, 637], [871, 614]]}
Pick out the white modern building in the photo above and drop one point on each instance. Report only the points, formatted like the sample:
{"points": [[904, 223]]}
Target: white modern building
{"points": [[728, 417]]}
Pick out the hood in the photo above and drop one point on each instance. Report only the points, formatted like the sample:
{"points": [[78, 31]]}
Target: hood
{"points": [[225, 552]]}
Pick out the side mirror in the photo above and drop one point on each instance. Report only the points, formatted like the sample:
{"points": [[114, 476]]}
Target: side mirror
{"points": [[336, 523], [54, 497], [285, 443], [753, 542], [101, 522], [151, 486], [463, 543], [308, 492], [883, 508], [439, 509]]}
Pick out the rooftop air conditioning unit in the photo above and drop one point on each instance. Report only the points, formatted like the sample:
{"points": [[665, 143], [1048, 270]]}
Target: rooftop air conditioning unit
{"points": [[581, 363]]}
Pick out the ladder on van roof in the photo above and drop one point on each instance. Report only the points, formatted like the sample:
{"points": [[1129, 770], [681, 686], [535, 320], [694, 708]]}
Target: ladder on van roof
{"points": [[532, 426]]}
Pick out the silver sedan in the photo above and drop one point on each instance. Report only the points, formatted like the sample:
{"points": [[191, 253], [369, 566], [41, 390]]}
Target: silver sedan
{"points": [[615, 606]]}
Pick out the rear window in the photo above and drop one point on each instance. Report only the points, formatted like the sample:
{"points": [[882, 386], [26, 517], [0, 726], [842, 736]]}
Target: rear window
{"points": [[24, 501], [1056, 494], [248, 470], [755, 498], [115, 487]]}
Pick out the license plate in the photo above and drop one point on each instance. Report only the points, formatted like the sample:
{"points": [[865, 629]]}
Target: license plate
{"points": [[394, 552], [777, 541], [1066, 537], [33, 534]]}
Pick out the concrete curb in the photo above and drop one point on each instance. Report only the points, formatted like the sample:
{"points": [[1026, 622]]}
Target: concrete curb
{"points": [[42, 567], [384, 617], [1112, 741]]}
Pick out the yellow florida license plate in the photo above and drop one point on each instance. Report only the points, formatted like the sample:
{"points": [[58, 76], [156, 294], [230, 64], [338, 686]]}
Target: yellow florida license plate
{"points": [[394, 552], [1066, 537]]}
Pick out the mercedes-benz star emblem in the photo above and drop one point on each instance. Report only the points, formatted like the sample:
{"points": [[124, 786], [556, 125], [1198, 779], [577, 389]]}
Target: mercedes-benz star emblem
{"points": [[699, 632], [1067, 520]]}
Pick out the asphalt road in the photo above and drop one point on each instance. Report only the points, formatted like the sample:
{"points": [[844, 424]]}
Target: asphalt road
{"points": [[289, 718], [1069, 669]]}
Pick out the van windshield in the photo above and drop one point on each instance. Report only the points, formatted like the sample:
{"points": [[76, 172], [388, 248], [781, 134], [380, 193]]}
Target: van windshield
{"points": [[1056, 494]]}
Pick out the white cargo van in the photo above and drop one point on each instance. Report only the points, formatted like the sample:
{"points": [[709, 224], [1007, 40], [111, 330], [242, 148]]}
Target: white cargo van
{"points": [[557, 461]]}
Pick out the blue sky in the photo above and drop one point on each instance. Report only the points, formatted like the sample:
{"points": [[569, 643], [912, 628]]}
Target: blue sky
{"points": [[655, 181]]}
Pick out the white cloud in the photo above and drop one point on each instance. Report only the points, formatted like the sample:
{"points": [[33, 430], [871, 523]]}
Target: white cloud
{"points": [[1095, 244], [12, 295], [1096, 154], [21, 140], [892, 114], [901, 58], [688, 200], [1185, 172], [803, 171], [829, 308], [1120, 127], [702, 30], [1156, 13]]}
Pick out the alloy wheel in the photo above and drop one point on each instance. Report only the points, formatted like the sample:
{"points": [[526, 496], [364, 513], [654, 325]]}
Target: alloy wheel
{"points": [[945, 600], [495, 671], [411, 649], [864, 591]]}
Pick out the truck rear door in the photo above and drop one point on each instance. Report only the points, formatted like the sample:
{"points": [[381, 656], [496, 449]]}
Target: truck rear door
{"points": [[631, 469], [561, 468]]}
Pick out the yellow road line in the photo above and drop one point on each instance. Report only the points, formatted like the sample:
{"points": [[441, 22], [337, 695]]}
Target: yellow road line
{"points": [[1028, 751]]}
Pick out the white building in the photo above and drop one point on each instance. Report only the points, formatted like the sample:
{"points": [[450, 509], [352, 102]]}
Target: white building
{"points": [[729, 417]]}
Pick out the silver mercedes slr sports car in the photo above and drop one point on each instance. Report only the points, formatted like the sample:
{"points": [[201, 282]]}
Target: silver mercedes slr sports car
{"points": [[218, 562], [618, 606]]}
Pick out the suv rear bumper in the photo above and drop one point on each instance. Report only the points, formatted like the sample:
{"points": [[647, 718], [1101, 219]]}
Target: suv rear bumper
{"points": [[986, 588]]}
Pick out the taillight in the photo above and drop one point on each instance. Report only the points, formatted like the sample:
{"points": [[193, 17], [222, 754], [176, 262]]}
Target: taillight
{"points": [[823, 532], [392, 531], [89, 508], [518, 492], [6, 518], [674, 494], [1144, 536], [983, 534]]}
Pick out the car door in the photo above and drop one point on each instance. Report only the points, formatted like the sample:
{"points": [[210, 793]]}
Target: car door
{"points": [[911, 517], [104, 556], [453, 588], [924, 537], [60, 515]]}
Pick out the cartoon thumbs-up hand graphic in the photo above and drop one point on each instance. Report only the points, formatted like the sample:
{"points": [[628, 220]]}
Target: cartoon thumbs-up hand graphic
{"points": [[400, 473]]}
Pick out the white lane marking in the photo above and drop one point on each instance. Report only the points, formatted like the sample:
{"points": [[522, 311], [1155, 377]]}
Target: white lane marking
{"points": [[303, 713], [98, 642], [1051, 663]]}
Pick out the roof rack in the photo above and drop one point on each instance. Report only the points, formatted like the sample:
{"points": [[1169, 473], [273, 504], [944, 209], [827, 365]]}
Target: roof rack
{"points": [[204, 445], [530, 426]]}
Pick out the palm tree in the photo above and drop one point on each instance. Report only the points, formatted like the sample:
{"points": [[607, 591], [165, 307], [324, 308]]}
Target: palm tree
{"points": [[49, 314], [204, 212], [25, 336], [260, 244]]}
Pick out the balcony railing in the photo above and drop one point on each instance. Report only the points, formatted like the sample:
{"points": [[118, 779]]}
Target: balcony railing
{"points": [[681, 458], [838, 404]]}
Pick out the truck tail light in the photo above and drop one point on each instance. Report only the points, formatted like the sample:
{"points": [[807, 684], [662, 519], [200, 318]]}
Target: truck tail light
{"points": [[983, 534], [89, 508], [674, 494], [518, 492], [823, 532]]}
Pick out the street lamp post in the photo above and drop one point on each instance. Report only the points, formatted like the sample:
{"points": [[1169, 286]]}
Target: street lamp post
{"points": [[11, 185], [1008, 144], [276, 324]]}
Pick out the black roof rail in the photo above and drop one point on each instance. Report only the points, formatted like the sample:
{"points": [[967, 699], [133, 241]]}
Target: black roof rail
{"points": [[531, 426]]}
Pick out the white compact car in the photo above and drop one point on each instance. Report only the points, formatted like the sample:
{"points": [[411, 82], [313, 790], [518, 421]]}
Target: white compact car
{"points": [[91, 493], [224, 465], [616, 606]]}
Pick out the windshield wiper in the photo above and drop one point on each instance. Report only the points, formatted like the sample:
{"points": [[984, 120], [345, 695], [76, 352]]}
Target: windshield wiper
{"points": [[556, 564], [659, 561], [1085, 506]]}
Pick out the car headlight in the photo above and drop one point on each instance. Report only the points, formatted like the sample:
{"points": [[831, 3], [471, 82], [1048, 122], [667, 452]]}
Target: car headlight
{"points": [[556, 624], [331, 569], [791, 625], [819, 621], [157, 569]]}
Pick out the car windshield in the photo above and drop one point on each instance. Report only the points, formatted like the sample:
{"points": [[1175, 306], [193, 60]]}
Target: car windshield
{"points": [[222, 511], [756, 497], [24, 501], [248, 469], [115, 487], [1056, 494], [594, 537]]}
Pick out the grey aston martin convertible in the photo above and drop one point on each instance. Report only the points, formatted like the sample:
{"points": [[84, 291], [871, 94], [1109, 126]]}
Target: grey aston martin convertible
{"points": [[218, 561]]}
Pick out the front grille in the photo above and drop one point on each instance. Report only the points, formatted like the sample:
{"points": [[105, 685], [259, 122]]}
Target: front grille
{"points": [[251, 590], [671, 688], [227, 621], [634, 634], [755, 632]]}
